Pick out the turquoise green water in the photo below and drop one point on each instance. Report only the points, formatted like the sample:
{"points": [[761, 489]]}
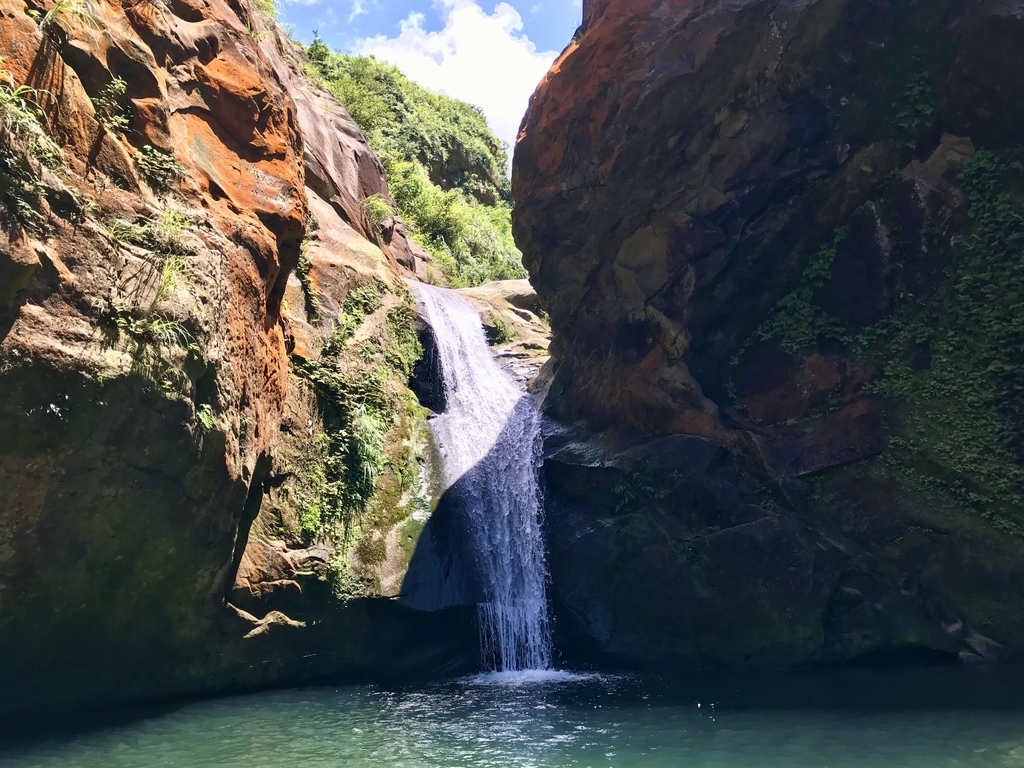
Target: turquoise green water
{"points": [[877, 719]]}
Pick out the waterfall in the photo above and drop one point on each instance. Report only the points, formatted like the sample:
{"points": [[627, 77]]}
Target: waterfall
{"points": [[489, 439]]}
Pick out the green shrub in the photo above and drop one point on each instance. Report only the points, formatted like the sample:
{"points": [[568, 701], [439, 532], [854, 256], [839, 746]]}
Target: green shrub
{"points": [[446, 169], [268, 7], [472, 243], [158, 168], [109, 108], [499, 331], [21, 120], [204, 414], [376, 210]]}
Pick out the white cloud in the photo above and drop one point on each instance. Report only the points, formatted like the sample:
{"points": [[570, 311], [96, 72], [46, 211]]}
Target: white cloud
{"points": [[477, 57]]}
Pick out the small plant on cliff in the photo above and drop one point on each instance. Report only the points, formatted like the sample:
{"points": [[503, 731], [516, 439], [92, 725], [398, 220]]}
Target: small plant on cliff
{"points": [[268, 7], [175, 273], [363, 300], [161, 234], [303, 270], [22, 120], [645, 486], [916, 109], [499, 330], [797, 321], [158, 168], [24, 145], [376, 210], [68, 11], [204, 414], [109, 108], [158, 330]]}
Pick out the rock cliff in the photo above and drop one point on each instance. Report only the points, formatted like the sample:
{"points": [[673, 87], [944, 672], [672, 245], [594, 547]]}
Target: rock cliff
{"points": [[783, 239], [167, 380]]}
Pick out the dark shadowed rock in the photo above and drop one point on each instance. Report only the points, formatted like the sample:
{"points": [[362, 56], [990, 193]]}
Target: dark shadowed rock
{"points": [[792, 228]]}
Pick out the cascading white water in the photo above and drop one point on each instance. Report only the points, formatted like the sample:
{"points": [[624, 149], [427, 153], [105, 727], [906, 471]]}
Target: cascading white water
{"points": [[490, 442]]}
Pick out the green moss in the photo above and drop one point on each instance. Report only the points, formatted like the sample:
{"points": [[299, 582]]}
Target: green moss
{"points": [[798, 322], [405, 349], [361, 466], [950, 358], [409, 537], [960, 427]]}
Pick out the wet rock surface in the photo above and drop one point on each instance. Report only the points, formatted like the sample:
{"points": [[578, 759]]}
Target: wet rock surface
{"points": [[789, 228]]}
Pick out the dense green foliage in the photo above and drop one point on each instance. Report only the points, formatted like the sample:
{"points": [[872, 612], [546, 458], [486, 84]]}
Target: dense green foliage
{"points": [[797, 321], [362, 402], [966, 408], [446, 169]]}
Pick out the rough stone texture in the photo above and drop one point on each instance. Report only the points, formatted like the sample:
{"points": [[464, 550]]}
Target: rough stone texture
{"points": [[792, 228], [516, 326], [665, 554], [285, 580], [141, 404], [118, 510], [341, 169]]}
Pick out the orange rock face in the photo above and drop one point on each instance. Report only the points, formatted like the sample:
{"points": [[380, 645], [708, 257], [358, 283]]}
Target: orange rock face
{"points": [[143, 350]]}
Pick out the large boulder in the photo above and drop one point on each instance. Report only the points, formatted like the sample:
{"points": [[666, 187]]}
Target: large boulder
{"points": [[794, 229]]}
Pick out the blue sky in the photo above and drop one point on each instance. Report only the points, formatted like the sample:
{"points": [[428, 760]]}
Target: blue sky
{"points": [[491, 54], [549, 25]]}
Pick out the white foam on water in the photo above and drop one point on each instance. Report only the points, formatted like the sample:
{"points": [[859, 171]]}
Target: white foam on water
{"points": [[531, 677]]}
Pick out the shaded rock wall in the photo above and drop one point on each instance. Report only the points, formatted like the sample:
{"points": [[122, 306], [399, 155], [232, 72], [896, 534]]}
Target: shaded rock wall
{"points": [[792, 229]]}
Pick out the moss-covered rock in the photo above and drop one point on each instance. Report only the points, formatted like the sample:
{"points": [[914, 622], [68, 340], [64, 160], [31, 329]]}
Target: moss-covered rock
{"points": [[795, 229], [159, 460]]}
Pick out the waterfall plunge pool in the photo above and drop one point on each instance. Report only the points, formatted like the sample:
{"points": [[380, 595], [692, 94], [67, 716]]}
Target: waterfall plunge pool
{"points": [[863, 718]]}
